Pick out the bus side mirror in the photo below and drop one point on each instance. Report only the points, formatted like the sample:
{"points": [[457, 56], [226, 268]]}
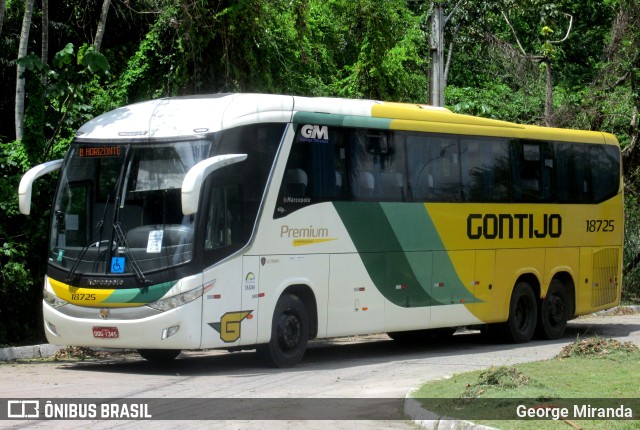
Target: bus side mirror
{"points": [[192, 183], [26, 183]]}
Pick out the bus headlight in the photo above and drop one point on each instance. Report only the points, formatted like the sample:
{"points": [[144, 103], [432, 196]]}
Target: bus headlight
{"points": [[53, 300], [177, 300]]}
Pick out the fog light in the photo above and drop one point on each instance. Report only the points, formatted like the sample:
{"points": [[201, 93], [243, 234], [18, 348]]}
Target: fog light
{"points": [[52, 329], [168, 332]]}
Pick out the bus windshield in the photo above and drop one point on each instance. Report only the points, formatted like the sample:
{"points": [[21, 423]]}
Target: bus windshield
{"points": [[118, 209]]}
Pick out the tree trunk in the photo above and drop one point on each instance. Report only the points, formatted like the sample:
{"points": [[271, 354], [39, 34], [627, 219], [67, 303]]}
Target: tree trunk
{"points": [[447, 66], [22, 51], [548, 104], [101, 25], [3, 8], [45, 37]]}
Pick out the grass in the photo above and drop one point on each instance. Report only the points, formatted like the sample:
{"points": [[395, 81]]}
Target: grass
{"points": [[589, 369]]}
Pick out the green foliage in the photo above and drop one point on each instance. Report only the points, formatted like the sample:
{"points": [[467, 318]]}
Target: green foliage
{"points": [[631, 278], [497, 101], [59, 94], [385, 51], [496, 378], [19, 300], [54, 109]]}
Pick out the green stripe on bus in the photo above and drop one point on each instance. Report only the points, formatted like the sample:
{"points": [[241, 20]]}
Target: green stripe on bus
{"points": [[144, 295], [341, 120], [401, 250]]}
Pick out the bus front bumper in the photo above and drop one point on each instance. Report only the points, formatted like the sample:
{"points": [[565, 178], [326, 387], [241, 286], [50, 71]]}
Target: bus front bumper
{"points": [[178, 328]]}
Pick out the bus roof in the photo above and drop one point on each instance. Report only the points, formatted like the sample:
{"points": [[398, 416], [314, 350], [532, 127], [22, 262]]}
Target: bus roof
{"points": [[179, 117]]}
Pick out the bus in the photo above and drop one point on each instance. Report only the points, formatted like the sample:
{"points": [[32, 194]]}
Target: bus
{"points": [[256, 221]]}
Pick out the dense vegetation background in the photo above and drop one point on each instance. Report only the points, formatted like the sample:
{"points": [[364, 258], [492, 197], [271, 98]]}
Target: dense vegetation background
{"points": [[568, 63]]}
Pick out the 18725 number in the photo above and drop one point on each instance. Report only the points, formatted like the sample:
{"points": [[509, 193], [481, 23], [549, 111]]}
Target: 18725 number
{"points": [[85, 297], [597, 225]]}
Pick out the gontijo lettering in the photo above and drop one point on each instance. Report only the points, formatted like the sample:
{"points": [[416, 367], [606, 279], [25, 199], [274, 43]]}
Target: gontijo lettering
{"points": [[507, 226]]}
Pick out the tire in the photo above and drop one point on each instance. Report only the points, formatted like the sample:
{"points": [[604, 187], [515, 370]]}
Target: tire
{"points": [[553, 312], [159, 355], [421, 336], [523, 315], [289, 333]]}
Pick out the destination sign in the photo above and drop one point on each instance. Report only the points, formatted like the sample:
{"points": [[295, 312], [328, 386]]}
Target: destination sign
{"points": [[100, 151]]}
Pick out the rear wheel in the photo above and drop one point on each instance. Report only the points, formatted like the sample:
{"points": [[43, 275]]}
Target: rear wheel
{"points": [[554, 312], [159, 355], [289, 333], [523, 315]]}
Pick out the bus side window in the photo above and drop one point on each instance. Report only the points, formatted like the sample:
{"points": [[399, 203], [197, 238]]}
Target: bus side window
{"points": [[434, 167], [574, 184], [485, 169], [315, 171], [605, 175], [533, 177], [223, 226], [377, 165]]}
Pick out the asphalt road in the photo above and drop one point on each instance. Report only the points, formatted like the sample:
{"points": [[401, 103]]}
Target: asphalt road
{"points": [[370, 367]]}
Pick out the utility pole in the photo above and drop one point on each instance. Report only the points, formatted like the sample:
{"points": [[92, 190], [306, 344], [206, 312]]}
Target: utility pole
{"points": [[436, 49], [437, 78]]}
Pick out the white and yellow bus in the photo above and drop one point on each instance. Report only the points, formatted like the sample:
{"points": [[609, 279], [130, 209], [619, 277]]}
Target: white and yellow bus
{"points": [[245, 220]]}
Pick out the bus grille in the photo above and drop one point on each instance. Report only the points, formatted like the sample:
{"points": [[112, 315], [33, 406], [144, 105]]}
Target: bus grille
{"points": [[605, 277]]}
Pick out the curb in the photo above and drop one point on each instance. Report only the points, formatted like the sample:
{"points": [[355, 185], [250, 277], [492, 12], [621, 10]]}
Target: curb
{"points": [[431, 421], [28, 352]]}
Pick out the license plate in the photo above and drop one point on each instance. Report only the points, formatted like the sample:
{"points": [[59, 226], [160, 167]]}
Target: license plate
{"points": [[106, 332]]}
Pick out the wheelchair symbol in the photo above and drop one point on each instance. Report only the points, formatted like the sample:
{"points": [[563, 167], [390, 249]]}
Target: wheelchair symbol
{"points": [[117, 264]]}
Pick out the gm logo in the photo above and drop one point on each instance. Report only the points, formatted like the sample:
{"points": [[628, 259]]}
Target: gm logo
{"points": [[315, 132]]}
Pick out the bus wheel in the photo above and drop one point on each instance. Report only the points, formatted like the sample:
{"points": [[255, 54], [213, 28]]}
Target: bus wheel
{"points": [[289, 333], [159, 355], [553, 312], [523, 315]]}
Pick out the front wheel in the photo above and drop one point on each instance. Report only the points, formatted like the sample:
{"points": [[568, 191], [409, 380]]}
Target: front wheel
{"points": [[554, 312], [523, 315], [289, 333], [159, 355]]}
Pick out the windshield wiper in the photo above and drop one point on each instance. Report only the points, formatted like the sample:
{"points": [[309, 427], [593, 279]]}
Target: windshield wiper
{"points": [[72, 276], [117, 228]]}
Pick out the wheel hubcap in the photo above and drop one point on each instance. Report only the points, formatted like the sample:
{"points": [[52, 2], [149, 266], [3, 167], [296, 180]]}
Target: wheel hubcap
{"points": [[556, 310], [290, 331]]}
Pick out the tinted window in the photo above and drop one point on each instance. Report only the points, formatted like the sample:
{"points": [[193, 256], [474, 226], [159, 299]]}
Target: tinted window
{"points": [[316, 169], [433, 165], [232, 194], [377, 165], [532, 166], [339, 163], [605, 171], [485, 169]]}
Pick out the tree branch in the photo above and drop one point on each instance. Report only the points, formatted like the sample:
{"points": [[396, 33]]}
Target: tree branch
{"points": [[448, 17], [524, 53], [504, 15], [566, 36]]}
